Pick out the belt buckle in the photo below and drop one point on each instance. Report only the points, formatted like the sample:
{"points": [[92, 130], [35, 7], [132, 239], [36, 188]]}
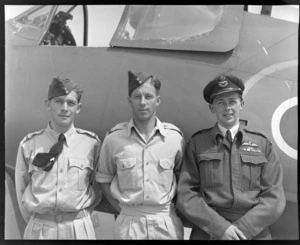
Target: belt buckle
{"points": [[58, 218]]}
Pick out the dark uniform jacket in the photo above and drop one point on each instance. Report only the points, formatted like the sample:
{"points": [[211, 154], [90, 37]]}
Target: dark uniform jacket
{"points": [[221, 185]]}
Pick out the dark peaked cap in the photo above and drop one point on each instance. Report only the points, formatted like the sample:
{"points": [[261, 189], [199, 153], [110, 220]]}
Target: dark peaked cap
{"points": [[222, 84], [61, 86], [136, 79]]}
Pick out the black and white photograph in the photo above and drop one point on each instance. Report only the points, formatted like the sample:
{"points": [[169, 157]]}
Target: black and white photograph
{"points": [[151, 122]]}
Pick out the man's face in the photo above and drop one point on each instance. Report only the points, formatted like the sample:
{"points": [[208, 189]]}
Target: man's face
{"points": [[63, 110], [227, 107], [144, 101]]}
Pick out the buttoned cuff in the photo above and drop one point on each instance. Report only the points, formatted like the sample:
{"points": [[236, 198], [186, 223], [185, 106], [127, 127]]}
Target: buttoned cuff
{"points": [[245, 228], [103, 178], [217, 229]]}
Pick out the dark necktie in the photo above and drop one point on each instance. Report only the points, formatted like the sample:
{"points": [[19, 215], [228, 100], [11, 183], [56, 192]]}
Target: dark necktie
{"points": [[228, 136], [42, 160]]}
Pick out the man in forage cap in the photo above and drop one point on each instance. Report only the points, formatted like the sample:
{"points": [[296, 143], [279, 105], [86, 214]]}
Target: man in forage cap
{"points": [[230, 185], [139, 166], [55, 168]]}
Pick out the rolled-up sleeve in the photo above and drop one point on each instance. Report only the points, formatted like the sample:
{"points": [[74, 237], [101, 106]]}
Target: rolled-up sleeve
{"points": [[22, 179], [272, 198], [106, 168], [179, 158]]}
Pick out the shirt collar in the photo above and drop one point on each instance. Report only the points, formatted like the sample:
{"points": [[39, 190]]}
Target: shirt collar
{"points": [[159, 126], [241, 133], [130, 125], [216, 133], [233, 130], [54, 135]]}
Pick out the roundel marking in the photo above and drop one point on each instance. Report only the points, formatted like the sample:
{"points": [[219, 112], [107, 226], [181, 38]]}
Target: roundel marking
{"points": [[267, 71], [276, 118], [281, 109]]}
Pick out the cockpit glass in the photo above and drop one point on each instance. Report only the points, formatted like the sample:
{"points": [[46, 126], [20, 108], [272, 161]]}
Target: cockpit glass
{"points": [[171, 22], [197, 27], [36, 18]]}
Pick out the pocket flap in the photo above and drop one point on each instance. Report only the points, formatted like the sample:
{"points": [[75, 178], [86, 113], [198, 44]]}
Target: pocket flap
{"points": [[80, 163], [254, 159], [210, 156], [126, 163], [166, 163]]}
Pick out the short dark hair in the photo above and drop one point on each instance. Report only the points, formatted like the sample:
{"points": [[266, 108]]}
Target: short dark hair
{"points": [[151, 81], [79, 93]]}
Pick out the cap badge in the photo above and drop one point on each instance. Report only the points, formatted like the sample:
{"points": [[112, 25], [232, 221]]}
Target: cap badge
{"points": [[138, 80], [223, 84]]}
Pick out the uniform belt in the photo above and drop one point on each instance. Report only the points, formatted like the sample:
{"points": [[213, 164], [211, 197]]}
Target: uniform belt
{"points": [[62, 217], [147, 210]]}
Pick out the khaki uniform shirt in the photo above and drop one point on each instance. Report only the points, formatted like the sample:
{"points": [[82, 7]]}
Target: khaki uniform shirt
{"points": [[143, 177], [141, 173], [221, 185], [67, 186]]}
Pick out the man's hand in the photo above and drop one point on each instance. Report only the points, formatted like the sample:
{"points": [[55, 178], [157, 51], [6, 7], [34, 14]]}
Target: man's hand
{"points": [[233, 233]]}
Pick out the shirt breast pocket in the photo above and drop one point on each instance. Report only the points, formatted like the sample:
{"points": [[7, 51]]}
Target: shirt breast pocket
{"points": [[127, 173], [78, 173], [211, 169], [251, 166], [166, 174]]}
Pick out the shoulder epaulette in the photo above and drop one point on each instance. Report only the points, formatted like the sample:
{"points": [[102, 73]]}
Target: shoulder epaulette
{"points": [[257, 133], [83, 131], [201, 131], [119, 126], [29, 136], [172, 127]]}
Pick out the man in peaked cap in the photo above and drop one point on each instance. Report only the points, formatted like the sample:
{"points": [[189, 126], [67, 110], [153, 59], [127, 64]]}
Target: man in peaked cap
{"points": [[139, 166], [54, 171], [222, 84], [230, 185]]}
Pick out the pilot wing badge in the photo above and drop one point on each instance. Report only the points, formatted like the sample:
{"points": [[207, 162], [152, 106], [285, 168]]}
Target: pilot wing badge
{"points": [[249, 146]]}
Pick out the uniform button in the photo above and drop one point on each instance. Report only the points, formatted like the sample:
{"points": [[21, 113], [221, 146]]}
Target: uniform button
{"points": [[61, 171], [147, 163], [82, 165], [147, 180], [147, 196], [60, 190]]}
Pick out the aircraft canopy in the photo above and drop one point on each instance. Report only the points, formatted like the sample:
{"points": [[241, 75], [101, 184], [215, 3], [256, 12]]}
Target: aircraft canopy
{"points": [[200, 28]]}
